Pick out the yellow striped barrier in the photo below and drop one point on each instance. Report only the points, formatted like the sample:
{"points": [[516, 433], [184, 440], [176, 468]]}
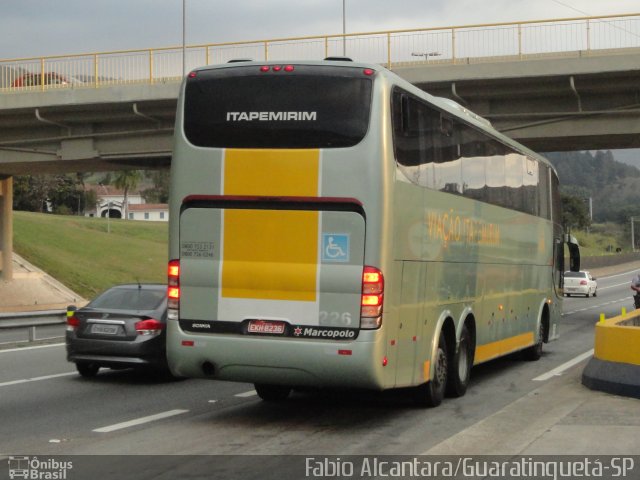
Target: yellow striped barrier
{"points": [[618, 339], [615, 366]]}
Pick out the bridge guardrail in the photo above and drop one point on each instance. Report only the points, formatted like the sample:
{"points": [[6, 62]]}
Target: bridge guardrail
{"points": [[442, 45], [32, 320]]}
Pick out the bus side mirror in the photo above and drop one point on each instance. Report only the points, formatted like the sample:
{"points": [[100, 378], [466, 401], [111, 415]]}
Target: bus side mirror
{"points": [[574, 253]]}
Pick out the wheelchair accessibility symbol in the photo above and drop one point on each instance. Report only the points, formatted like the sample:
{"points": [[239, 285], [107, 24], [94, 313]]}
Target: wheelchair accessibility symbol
{"points": [[335, 247]]}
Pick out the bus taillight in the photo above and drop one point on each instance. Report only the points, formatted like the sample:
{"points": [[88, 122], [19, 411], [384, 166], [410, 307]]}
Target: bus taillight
{"points": [[372, 298], [173, 290]]}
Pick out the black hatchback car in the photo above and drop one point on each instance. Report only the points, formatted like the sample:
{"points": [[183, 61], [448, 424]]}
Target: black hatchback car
{"points": [[123, 327]]}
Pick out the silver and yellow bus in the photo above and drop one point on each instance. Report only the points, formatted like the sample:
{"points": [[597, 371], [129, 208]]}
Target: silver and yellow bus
{"points": [[334, 226]]}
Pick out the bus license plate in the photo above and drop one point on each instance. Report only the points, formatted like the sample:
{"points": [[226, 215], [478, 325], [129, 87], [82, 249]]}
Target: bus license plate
{"points": [[266, 327]]}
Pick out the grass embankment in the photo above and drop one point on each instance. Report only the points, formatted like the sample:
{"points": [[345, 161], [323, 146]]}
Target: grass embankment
{"points": [[603, 239], [80, 253]]}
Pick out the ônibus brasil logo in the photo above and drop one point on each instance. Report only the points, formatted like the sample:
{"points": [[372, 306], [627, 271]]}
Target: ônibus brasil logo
{"points": [[36, 469]]}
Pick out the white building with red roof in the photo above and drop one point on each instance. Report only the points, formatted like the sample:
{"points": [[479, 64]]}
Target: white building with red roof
{"points": [[111, 199], [158, 212]]}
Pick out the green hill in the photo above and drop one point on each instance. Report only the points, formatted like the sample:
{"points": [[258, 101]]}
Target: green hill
{"points": [[613, 186], [80, 253]]}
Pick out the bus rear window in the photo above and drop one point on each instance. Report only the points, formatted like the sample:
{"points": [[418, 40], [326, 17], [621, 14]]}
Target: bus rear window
{"points": [[311, 107]]}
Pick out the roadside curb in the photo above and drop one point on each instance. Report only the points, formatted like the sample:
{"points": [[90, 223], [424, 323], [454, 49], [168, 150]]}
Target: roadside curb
{"points": [[612, 377], [615, 366]]}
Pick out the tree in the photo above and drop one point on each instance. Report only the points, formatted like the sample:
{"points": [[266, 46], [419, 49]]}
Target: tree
{"points": [[574, 212], [612, 185], [33, 192], [90, 198], [127, 180], [159, 193], [63, 195]]}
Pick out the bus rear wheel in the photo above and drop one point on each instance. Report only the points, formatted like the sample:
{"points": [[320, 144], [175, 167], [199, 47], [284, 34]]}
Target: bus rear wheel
{"points": [[272, 393], [460, 367], [430, 394]]}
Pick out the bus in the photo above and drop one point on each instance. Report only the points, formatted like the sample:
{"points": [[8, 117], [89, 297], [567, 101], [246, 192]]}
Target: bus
{"points": [[332, 225]]}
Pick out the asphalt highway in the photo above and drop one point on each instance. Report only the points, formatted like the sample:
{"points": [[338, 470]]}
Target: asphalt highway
{"points": [[48, 409]]}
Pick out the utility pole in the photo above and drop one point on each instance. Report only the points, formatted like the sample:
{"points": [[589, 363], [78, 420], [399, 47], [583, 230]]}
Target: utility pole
{"points": [[184, 37], [344, 29], [108, 208]]}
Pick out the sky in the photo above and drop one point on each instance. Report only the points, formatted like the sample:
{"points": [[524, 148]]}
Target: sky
{"points": [[33, 28]]}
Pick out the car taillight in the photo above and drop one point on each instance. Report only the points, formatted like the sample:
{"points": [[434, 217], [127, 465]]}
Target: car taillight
{"points": [[372, 298], [173, 290], [150, 326], [73, 322], [583, 282]]}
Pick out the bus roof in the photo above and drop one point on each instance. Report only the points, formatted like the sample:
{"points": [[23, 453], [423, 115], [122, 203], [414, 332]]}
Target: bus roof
{"points": [[443, 103]]}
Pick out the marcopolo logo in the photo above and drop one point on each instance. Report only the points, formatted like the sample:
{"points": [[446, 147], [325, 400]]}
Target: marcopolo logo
{"points": [[37, 469], [318, 332], [272, 116]]}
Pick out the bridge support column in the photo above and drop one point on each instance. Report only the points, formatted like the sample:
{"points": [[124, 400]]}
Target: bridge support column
{"points": [[6, 228]]}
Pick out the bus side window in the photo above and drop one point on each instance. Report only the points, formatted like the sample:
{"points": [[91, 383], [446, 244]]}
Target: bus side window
{"points": [[448, 165], [405, 119], [405, 132], [446, 126], [413, 133]]}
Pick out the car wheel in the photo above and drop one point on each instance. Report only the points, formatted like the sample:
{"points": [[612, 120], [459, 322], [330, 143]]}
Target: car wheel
{"points": [[430, 394], [272, 393], [87, 369]]}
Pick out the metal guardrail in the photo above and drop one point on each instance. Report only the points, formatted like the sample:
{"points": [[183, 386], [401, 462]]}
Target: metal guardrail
{"points": [[32, 320], [453, 45]]}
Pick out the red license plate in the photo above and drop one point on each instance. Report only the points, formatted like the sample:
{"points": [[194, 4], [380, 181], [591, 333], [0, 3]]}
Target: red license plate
{"points": [[266, 327]]}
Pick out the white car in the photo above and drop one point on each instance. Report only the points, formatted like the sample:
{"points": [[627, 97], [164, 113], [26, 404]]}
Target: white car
{"points": [[580, 283]]}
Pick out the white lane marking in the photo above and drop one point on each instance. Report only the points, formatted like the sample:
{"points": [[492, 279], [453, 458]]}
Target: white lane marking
{"points": [[565, 366], [626, 299], [628, 284], [630, 274], [140, 421], [36, 379], [247, 394], [31, 348]]}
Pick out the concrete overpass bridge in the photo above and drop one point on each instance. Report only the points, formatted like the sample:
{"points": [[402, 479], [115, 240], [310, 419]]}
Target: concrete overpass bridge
{"points": [[564, 84]]}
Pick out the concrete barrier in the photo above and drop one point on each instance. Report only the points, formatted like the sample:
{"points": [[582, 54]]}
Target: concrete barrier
{"points": [[590, 263], [615, 366]]}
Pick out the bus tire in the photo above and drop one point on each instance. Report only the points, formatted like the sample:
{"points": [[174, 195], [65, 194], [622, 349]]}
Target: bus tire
{"points": [[272, 393], [430, 394], [534, 352], [460, 368]]}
